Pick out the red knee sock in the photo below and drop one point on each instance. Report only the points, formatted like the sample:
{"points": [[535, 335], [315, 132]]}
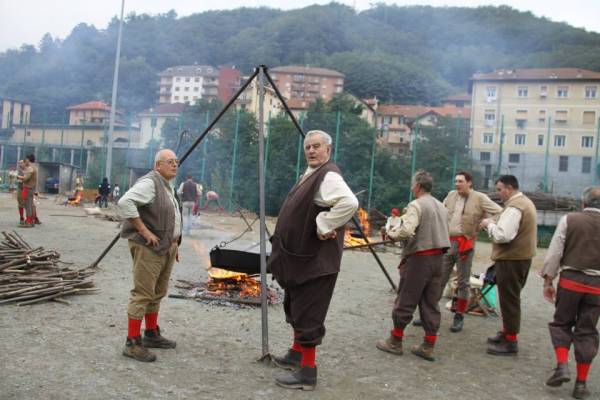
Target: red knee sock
{"points": [[29, 220], [308, 356], [21, 211], [582, 371], [151, 321], [510, 337], [430, 339], [398, 333], [295, 345], [134, 328], [461, 305], [562, 354]]}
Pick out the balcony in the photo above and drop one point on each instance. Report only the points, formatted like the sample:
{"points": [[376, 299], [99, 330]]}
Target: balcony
{"points": [[490, 122]]}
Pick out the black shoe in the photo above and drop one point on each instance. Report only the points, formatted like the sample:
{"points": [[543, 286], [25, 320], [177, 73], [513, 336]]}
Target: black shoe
{"points": [[457, 324], [504, 348], [291, 360], [37, 221], [417, 322], [580, 391], [153, 339], [496, 339], [560, 375], [304, 378]]}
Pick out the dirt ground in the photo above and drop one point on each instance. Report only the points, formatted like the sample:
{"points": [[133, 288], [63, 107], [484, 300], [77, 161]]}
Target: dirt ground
{"points": [[57, 351]]}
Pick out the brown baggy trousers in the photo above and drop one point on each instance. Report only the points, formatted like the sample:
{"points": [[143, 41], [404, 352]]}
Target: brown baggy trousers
{"points": [[576, 317], [306, 307], [463, 269], [511, 276], [151, 273], [420, 278]]}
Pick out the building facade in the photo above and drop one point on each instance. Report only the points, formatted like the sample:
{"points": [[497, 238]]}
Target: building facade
{"points": [[307, 83], [188, 84], [153, 119], [540, 125], [13, 112]]}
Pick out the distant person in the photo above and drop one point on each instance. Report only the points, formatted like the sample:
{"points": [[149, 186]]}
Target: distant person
{"points": [[116, 194], [188, 192], [20, 172], [29, 180], [199, 190], [104, 192], [574, 257], [393, 221], [212, 197], [79, 183]]}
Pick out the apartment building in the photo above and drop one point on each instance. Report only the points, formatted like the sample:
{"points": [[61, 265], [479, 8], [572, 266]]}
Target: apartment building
{"points": [[92, 113], [188, 83], [540, 125], [307, 83], [13, 112]]}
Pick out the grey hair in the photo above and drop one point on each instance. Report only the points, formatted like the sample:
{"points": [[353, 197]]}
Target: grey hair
{"points": [[424, 180], [324, 134], [591, 197], [158, 155]]}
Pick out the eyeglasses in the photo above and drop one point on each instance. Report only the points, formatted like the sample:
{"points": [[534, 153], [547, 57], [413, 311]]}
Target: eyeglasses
{"points": [[171, 161]]}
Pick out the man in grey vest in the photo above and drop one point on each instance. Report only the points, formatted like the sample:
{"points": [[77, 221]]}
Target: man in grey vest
{"points": [[425, 234], [306, 253], [514, 238], [152, 224], [189, 194], [575, 252]]}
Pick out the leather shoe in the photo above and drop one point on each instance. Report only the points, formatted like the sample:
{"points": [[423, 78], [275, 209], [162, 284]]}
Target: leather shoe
{"points": [[498, 338], [153, 339], [291, 360], [580, 391], [134, 348], [304, 378], [392, 345], [424, 350], [457, 324], [560, 375], [504, 348]]}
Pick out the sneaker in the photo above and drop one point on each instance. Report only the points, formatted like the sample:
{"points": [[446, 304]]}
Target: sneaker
{"points": [[392, 345], [304, 378], [424, 350], [136, 350], [291, 360], [153, 339]]}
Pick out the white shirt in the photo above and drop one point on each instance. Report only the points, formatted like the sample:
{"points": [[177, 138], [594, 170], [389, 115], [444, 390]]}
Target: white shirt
{"points": [[333, 193], [410, 222], [507, 227], [392, 222], [556, 250]]}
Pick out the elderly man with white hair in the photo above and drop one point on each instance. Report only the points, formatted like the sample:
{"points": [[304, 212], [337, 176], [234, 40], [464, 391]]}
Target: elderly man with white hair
{"points": [[306, 254], [152, 223]]}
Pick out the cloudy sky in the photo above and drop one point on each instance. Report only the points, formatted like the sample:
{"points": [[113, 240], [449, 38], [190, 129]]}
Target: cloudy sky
{"points": [[26, 21]]}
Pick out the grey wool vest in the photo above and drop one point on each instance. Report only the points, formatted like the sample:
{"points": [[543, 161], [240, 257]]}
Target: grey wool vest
{"points": [[432, 232]]}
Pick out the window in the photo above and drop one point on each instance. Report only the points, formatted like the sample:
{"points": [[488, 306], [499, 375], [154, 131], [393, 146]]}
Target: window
{"points": [[387, 119], [176, 98], [543, 91], [186, 89], [522, 91], [485, 156], [562, 92], [521, 118], [490, 93], [590, 92], [198, 79], [586, 165], [589, 117], [177, 79], [196, 89], [587, 141], [520, 139], [488, 171], [560, 140], [542, 116], [563, 163], [540, 140], [489, 117], [401, 120], [187, 79], [514, 158], [561, 117], [338, 89], [488, 138]]}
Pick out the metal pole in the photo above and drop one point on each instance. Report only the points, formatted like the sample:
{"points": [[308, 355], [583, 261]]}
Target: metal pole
{"points": [[455, 161], [62, 138], [337, 135], [300, 145], [413, 164], [261, 202], [204, 149], [501, 145], [235, 144], [371, 172], [81, 146], [547, 155], [595, 169], [113, 105], [267, 145]]}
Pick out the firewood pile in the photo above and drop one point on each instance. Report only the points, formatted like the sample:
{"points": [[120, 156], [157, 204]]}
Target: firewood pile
{"points": [[31, 275], [546, 201]]}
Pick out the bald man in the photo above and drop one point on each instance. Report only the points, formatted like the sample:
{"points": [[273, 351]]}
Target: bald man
{"points": [[152, 214]]}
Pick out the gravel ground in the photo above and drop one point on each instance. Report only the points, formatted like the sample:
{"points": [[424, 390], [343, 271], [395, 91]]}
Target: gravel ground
{"points": [[57, 351]]}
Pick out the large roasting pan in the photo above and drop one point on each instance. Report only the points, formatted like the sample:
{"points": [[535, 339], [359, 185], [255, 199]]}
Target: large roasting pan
{"points": [[236, 260]]}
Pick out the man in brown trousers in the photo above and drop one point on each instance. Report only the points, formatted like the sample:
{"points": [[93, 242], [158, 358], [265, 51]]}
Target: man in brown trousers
{"points": [[29, 180], [514, 238], [152, 215], [575, 252], [306, 253], [425, 234]]}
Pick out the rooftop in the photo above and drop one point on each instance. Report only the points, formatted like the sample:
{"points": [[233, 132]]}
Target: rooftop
{"points": [[296, 69], [537, 74]]}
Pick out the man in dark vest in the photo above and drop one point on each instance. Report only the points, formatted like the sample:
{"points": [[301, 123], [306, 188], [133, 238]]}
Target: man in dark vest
{"points": [[575, 252], [152, 224], [189, 194], [424, 231], [306, 254], [514, 238]]}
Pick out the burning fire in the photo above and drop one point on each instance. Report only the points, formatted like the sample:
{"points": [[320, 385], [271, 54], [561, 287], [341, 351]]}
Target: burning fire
{"points": [[363, 219], [222, 281]]}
